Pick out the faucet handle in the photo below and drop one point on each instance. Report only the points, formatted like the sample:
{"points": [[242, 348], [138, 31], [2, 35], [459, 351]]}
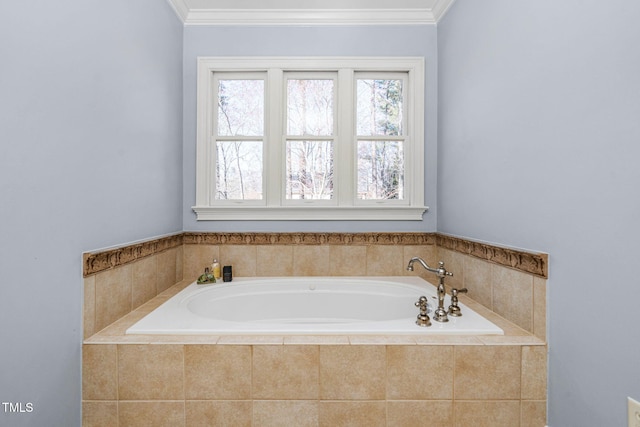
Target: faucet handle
{"points": [[422, 318], [422, 303], [454, 308], [455, 292]]}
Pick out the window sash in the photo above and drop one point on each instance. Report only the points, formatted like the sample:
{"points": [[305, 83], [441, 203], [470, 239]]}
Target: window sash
{"points": [[344, 203], [215, 138]]}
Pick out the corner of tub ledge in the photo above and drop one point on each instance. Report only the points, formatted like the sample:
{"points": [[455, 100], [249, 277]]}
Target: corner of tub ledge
{"points": [[174, 289], [513, 334], [116, 332], [511, 340]]}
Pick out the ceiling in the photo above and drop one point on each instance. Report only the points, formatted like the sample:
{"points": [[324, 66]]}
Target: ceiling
{"points": [[310, 12]]}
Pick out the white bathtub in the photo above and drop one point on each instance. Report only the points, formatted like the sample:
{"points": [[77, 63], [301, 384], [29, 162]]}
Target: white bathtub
{"points": [[306, 305]]}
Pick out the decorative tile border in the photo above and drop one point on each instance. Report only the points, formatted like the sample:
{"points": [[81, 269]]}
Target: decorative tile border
{"points": [[528, 262], [533, 263], [310, 238], [104, 260]]}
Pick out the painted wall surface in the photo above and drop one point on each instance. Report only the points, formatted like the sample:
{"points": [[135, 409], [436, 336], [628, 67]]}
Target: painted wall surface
{"points": [[539, 130], [90, 156], [310, 41]]}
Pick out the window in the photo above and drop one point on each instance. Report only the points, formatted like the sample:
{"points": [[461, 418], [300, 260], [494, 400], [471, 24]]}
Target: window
{"points": [[310, 138]]}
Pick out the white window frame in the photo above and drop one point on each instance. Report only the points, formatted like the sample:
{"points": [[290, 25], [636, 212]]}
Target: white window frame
{"points": [[344, 205], [334, 138], [211, 145]]}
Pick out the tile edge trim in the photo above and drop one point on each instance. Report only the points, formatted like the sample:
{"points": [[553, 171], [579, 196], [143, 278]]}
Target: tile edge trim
{"points": [[527, 262]]}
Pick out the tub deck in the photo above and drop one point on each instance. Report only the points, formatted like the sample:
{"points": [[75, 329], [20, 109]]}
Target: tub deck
{"points": [[116, 332]]}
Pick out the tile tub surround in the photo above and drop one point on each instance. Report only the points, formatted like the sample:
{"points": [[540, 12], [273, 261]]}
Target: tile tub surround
{"points": [[276, 385], [317, 380], [508, 281], [112, 293], [263, 380]]}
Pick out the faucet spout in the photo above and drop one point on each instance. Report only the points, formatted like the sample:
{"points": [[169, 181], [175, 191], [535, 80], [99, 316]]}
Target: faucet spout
{"points": [[440, 314], [422, 262]]}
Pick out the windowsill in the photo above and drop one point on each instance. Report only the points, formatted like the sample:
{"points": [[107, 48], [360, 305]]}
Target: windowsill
{"points": [[310, 213]]}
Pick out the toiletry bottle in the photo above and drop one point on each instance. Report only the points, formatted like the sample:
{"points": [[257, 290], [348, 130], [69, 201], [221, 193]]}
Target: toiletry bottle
{"points": [[226, 273], [215, 269]]}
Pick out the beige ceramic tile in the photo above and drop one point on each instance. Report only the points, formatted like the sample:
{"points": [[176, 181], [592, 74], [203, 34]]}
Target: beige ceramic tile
{"points": [[511, 340], [352, 413], [167, 264], [113, 295], [316, 340], [179, 264], [534, 413], [498, 377], [176, 288], [103, 339], [285, 372], [152, 304], [513, 296], [156, 414], [151, 339], [509, 329], [250, 340], [402, 340], [274, 260], [477, 280], [487, 413], [454, 263], [279, 413], [221, 413], [429, 253], [311, 260], [196, 258], [420, 412], [99, 372], [99, 414], [144, 280], [242, 259], [385, 260], [347, 260], [419, 372], [446, 340], [217, 372], [181, 339], [352, 372], [89, 307], [150, 372], [119, 327], [540, 307], [534, 372]]}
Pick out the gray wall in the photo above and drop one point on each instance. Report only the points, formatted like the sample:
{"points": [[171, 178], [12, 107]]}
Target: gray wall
{"points": [[538, 128], [90, 156], [539, 143], [310, 41]]}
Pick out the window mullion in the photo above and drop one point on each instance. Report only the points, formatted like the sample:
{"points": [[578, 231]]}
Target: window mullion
{"points": [[345, 141], [274, 141]]}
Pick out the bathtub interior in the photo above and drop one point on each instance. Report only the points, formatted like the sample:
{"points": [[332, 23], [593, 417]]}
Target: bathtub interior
{"points": [[307, 305]]}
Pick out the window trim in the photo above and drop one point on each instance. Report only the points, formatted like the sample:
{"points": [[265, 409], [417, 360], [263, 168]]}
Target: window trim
{"points": [[274, 208]]}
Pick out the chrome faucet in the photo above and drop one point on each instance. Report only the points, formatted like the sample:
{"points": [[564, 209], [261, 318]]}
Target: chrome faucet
{"points": [[440, 314]]}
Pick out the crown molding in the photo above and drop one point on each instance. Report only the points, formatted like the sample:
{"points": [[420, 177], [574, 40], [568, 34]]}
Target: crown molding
{"points": [[181, 9], [194, 14], [440, 8]]}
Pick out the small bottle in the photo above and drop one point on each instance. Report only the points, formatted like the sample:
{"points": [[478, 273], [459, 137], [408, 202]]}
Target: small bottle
{"points": [[215, 269], [227, 275]]}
